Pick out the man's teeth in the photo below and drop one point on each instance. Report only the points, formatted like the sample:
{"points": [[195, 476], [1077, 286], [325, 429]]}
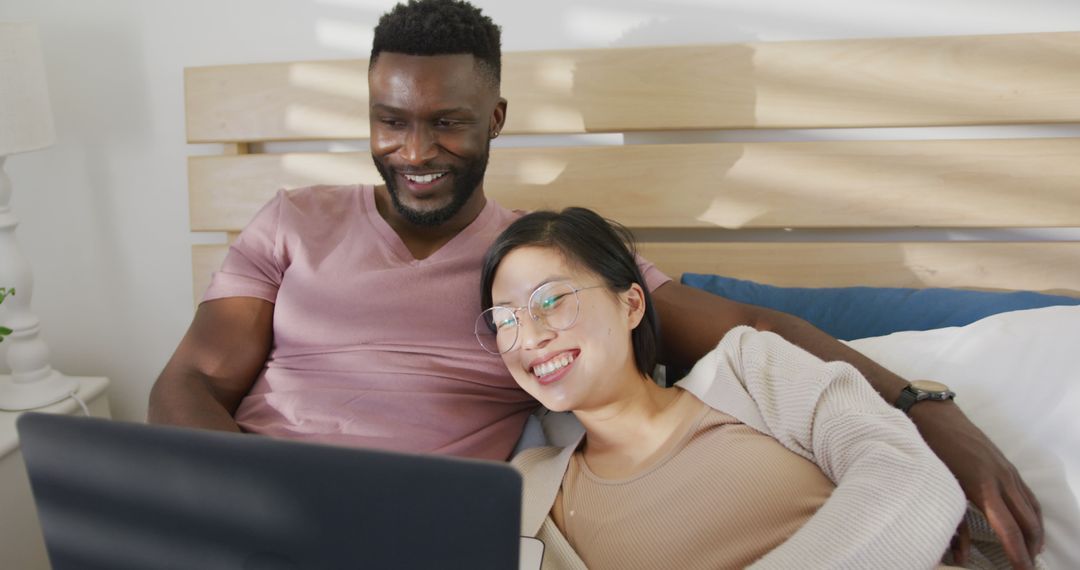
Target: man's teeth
{"points": [[553, 365], [424, 178]]}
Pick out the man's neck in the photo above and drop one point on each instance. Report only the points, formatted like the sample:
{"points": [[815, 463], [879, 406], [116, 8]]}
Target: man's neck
{"points": [[423, 241]]}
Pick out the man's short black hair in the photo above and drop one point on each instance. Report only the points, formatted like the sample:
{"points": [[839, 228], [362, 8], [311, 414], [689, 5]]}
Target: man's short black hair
{"points": [[440, 27]]}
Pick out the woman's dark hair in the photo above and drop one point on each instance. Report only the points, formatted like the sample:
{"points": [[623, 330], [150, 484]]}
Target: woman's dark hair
{"points": [[587, 241], [440, 27]]}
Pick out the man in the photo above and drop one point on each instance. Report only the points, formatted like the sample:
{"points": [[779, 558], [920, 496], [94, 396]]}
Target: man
{"points": [[345, 314]]}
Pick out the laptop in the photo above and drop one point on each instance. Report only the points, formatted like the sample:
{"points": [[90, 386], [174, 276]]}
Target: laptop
{"points": [[120, 495]]}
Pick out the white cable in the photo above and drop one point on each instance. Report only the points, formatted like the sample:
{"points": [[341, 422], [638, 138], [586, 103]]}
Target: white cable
{"points": [[85, 410]]}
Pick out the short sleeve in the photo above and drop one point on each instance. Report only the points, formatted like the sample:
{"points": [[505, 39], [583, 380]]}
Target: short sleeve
{"points": [[255, 263]]}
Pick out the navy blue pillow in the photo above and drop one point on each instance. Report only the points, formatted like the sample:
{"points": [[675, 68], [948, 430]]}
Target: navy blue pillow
{"points": [[858, 312]]}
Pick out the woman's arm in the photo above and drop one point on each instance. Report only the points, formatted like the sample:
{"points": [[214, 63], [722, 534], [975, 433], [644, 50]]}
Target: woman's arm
{"points": [[894, 502], [693, 321]]}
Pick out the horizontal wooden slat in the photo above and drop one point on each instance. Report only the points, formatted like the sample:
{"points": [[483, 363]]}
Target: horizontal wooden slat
{"points": [[226, 191], [891, 82], [894, 82], [1052, 267], [312, 100], [205, 260], [954, 184]]}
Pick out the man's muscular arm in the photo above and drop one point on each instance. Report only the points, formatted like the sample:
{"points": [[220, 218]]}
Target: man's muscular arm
{"points": [[215, 365], [694, 321]]}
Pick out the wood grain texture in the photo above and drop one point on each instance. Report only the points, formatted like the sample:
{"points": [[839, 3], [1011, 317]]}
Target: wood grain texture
{"points": [[700, 189], [1051, 267], [949, 184], [205, 260], [225, 192], [313, 100], [889, 82]]}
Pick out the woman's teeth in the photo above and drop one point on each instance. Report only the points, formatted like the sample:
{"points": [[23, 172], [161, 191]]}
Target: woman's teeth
{"points": [[423, 178], [553, 365]]}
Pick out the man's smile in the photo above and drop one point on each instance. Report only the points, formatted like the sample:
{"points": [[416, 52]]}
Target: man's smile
{"points": [[424, 178], [424, 185]]}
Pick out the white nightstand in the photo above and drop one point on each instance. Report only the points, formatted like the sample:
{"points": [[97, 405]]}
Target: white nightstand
{"points": [[21, 544]]}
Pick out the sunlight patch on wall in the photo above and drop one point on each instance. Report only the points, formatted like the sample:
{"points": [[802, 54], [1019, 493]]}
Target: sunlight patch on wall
{"points": [[553, 118], [350, 38], [334, 79], [599, 26], [379, 5], [556, 75], [725, 212], [330, 168], [307, 120], [539, 170]]}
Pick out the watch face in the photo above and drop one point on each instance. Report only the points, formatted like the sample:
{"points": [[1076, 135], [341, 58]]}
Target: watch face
{"points": [[929, 386]]}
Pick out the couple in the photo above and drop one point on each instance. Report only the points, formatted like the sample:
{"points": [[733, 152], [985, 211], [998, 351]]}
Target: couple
{"points": [[337, 315]]}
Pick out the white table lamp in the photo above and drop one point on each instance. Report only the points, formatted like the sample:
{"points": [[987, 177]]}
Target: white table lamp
{"points": [[26, 124]]}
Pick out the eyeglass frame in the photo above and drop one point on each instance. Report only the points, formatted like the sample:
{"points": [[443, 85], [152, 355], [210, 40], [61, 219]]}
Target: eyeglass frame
{"points": [[542, 321]]}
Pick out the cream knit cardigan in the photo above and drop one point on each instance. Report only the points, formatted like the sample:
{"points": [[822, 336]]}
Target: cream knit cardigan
{"points": [[895, 504]]}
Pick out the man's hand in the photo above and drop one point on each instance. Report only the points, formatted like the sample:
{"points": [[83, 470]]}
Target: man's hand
{"points": [[693, 321], [988, 479]]}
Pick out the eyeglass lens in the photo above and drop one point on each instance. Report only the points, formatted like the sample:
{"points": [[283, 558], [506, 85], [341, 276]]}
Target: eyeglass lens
{"points": [[553, 305]]}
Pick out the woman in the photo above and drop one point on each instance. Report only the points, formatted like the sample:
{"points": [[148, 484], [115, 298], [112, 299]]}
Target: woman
{"points": [[763, 455]]}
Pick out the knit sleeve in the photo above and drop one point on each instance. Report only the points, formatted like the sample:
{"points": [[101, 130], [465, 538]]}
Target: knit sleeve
{"points": [[895, 504]]}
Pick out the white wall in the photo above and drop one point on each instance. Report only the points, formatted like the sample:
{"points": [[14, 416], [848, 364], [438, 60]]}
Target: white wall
{"points": [[104, 211]]}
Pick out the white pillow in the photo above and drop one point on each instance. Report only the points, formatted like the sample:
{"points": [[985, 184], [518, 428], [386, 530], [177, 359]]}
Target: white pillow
{"points": [[1017, 376]]}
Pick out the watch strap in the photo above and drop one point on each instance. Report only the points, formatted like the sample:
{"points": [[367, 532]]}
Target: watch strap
{"points": [[908, 397]]}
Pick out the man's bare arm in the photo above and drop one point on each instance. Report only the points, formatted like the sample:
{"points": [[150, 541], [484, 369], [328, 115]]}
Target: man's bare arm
{"points": [[702, 319], [694, 321], [215, 365]]}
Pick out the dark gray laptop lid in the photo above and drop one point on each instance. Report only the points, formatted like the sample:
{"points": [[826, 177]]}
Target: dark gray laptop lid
{"points": [[122, 495]]}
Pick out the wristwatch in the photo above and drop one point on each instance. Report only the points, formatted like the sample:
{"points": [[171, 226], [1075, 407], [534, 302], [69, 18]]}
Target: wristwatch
{"points": [[920, 390]]}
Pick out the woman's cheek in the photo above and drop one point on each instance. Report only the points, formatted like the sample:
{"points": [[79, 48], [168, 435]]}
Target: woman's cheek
{"points": [[518, 374]]}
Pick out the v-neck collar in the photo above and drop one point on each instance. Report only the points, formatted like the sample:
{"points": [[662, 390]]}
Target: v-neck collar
{"points": [[397, 245]]}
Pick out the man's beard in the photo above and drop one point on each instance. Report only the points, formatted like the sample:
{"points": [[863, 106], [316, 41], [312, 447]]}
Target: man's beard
{"points": [[465, 182]]}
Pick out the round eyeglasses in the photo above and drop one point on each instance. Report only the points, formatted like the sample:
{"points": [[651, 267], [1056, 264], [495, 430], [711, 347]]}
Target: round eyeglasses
{"points": [[554, 306]]}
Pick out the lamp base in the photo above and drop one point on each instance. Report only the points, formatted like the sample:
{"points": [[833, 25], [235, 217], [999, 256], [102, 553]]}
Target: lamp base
{"points": [[17, 396]]}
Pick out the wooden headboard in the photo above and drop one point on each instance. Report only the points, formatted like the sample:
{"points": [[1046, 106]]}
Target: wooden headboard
{"points": [[699, 206]]}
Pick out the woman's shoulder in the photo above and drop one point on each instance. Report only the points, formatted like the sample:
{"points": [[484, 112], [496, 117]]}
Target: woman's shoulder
{"points": [[530, 458]]}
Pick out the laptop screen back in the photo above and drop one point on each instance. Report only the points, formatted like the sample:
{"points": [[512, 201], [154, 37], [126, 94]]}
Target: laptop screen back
{"points": [[122, 495]]}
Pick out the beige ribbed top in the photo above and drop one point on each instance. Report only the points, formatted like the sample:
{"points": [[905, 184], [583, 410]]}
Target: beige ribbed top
{"points": [[895, 504], [716, 478]]}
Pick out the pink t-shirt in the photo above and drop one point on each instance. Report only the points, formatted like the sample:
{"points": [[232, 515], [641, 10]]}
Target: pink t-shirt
{"points": [[373, 348]]}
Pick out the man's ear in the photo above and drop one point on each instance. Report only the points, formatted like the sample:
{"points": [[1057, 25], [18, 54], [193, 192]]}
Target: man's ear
{"points": [[498, 118], [634, 298]]}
